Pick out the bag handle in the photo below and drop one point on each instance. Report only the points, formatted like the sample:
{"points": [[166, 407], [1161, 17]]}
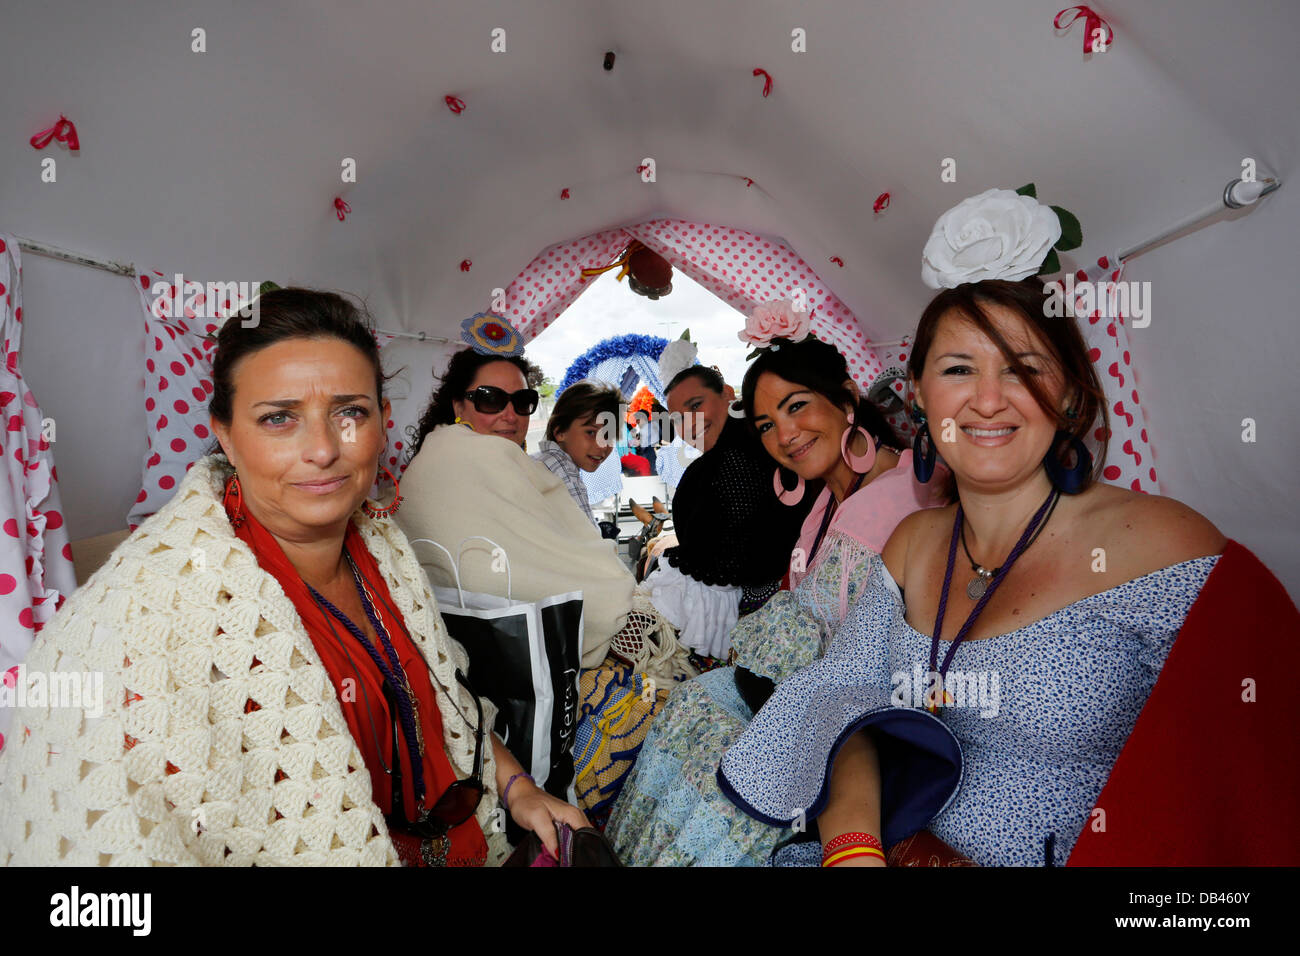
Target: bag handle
{"points": [[496, 547], [455, 570]]}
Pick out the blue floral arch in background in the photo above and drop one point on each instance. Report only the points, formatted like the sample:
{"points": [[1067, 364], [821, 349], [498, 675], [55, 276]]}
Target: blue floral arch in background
{"points": [[623, 360], [629, 348]]}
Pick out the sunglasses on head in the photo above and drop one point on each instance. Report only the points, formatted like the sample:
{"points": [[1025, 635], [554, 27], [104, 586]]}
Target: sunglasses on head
{"points": [[489, 400]]}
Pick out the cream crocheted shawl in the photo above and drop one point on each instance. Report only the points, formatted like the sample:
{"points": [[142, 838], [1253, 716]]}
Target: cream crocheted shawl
{"points": [[186, 629]]}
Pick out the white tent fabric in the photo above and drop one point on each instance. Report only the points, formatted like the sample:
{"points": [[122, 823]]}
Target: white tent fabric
{"points": [[229, 170]]}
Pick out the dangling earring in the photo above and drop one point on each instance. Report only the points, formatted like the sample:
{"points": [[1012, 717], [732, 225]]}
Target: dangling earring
{"points": [[388, 510], [233, 500], [1070, 480], [860, 464], [789, 498], [923, 450]]}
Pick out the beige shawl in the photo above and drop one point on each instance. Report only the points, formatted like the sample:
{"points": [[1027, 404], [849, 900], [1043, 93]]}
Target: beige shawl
{"points": [[463, 484]]}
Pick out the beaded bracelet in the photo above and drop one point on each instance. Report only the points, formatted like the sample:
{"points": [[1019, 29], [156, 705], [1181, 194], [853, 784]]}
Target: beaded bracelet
{"points": [[844, 839], [505, 794], [845, 853]]}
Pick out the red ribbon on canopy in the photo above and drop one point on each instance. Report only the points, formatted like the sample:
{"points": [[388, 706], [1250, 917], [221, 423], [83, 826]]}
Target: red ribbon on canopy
{"points": [[455, 104], [882, 202], [564, 193], [748, 182], [838, 261], [1093, 22], [63, 131], [767, 81], [465, 264], [341, 208]]}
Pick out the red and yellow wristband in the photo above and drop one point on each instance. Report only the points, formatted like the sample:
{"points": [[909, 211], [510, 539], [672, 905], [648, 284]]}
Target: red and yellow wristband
{"points": [[849, 845]]}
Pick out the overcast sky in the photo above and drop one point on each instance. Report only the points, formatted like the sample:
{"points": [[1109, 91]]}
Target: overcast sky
{"points": [[608, 308]]}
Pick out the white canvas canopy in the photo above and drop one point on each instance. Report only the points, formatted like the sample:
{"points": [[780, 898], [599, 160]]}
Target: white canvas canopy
{"points": [[224, 164]]}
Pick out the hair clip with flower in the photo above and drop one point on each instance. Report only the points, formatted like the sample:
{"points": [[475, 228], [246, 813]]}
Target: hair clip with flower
{"points": [[489, 334], [998, 234], [775, 320]]}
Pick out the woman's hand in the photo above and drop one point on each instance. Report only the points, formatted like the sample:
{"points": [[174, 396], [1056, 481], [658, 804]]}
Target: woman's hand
{"points": [[534, 809]]}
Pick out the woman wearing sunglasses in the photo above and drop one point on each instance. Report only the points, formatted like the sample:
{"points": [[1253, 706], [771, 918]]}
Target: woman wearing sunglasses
{"points": [[278, 686], [464, 482]]}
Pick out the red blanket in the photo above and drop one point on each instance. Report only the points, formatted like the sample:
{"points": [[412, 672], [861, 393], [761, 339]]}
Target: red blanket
{"points": [[1210, 775]]}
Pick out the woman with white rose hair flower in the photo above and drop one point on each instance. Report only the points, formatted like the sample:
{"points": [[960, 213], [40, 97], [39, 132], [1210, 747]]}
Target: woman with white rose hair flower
{"points": [[1054, 664]]}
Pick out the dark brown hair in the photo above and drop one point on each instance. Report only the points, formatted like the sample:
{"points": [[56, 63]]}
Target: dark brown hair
{"points": [[707, 375], [1059, 335], [285, 314], [818, 366], [454, 384], [579, 402]]}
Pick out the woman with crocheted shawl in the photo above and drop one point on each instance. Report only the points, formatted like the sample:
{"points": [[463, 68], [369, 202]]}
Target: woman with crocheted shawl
{"points": [[278, 684]]}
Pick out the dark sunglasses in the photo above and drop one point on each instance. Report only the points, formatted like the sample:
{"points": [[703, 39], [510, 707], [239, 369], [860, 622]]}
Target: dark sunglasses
{"points": [[489, 400]]}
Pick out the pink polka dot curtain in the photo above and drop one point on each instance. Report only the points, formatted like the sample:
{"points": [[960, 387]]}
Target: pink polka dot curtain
{"points": [[742, 269], [36, 572]]}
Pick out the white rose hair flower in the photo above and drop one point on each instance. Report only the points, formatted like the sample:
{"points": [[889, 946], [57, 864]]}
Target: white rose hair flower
{"points": [[999, 234]]}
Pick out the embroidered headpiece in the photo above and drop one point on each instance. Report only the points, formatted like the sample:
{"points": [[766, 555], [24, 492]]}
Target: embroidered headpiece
{"points": [[490, 334]]}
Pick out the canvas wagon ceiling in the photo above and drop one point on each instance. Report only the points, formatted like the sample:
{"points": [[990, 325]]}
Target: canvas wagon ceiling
{"points": [[226, 163]]}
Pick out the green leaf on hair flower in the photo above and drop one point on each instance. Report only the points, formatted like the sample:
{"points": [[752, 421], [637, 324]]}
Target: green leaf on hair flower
{"points": [[267, 286], [685, 336], [753, 355], [1071, 231], [1051, 265], [1027, 190]]}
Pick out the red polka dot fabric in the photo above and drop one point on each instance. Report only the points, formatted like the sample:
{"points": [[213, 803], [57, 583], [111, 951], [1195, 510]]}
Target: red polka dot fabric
{"points": [[1130, 462], [36, 572], [742, 269], [177, 384]]}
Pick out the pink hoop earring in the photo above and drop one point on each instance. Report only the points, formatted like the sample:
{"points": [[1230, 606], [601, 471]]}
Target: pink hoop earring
{"points": [[861, 464], [789, 498]]}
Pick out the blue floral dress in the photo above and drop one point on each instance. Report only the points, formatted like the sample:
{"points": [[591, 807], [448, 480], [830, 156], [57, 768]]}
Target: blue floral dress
{"points": [[671, 812], [1041, 713]]}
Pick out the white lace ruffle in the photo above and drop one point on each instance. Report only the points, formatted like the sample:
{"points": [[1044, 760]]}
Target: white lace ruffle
{"points": [[703, 614]]}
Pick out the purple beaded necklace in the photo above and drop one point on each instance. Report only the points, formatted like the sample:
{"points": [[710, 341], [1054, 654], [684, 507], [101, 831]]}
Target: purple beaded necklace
{"points": [[1016, 552], [391, 669]]}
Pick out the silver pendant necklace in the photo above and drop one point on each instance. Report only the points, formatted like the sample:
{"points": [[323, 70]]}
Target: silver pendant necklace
{"points": [[977, 585]]}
